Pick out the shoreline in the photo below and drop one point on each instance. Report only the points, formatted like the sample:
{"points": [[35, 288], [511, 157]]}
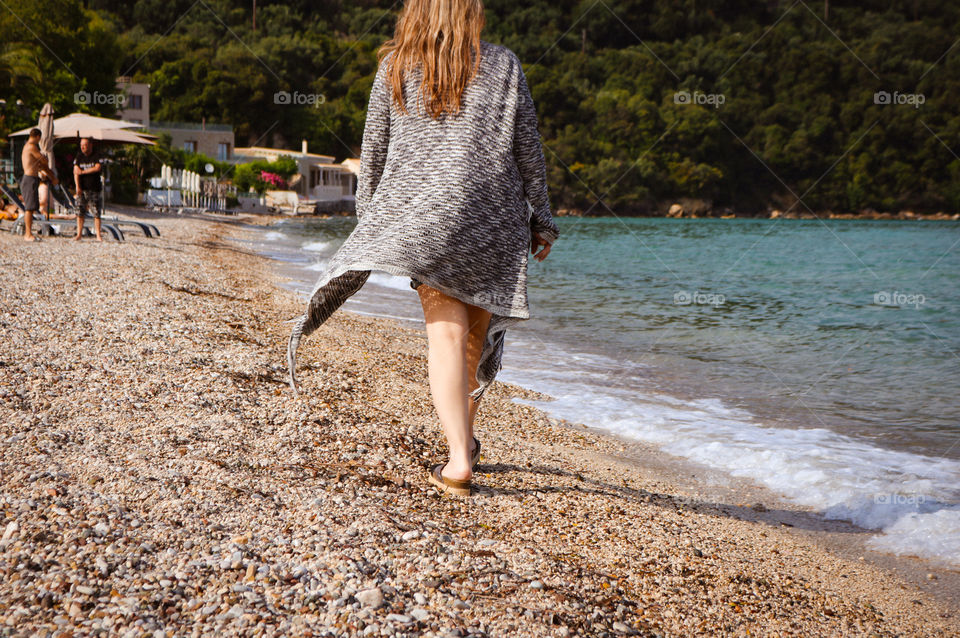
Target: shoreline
{"points": [[754, 502], [727, 214], [253, 509]]}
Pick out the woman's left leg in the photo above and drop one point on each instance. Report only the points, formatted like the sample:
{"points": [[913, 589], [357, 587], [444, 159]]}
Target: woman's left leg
{"points": [[448, 329]]}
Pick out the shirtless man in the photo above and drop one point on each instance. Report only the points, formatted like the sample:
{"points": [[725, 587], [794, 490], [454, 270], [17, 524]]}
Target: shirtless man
{"points": [[35, 170]]}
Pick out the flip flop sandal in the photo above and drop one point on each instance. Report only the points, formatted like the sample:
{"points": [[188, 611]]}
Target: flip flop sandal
{"points": [[444, 484], [476, 452]]}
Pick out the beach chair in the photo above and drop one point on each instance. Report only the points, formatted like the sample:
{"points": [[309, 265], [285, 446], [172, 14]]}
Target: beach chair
{"points": [[42, 226], [148, 230], [51, 226]]}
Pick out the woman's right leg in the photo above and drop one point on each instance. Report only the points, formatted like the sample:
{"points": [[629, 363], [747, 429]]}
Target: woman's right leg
{"points": [[479, 320]]}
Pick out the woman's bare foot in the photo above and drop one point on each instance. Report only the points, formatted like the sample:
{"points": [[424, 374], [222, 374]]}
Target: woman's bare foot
{"points": [[76, 238], [29, 238]]}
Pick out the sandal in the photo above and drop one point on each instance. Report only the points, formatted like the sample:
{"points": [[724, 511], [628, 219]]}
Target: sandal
{"points": [[476, 452], [444, 484]]}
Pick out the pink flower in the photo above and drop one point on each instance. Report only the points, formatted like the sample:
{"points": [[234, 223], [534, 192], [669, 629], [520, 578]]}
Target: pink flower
{"points": [[274, 180]]}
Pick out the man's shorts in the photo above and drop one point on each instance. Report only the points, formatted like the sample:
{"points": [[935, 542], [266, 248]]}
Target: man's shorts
{"points": [[30, 192], [88, 199]]}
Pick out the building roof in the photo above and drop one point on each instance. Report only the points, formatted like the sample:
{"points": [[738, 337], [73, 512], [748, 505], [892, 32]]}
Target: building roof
{"points": [[262, 151], [191, 126], [352, 164]]}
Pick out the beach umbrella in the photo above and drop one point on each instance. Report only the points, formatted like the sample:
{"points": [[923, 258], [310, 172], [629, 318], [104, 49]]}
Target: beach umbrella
{"points": [[46, 135], [102, 129]]}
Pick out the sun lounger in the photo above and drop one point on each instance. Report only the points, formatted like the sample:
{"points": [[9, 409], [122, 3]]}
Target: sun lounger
{"points": [[48, 226], [42, 226], [66, 200], [67, 226]]}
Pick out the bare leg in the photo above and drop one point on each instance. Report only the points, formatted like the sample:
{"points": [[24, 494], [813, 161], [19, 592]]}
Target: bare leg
{"points": [[479, 322], [79, 226], [96, 228], [28, 226], [44, 192], [448, 331]]}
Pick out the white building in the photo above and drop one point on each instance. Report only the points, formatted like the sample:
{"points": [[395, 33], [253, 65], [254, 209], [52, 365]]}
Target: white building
{"points": [[319, 178], [213, 140], [136, 101]]}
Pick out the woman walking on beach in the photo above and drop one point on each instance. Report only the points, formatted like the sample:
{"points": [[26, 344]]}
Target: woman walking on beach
{"points": [[452, 193]]}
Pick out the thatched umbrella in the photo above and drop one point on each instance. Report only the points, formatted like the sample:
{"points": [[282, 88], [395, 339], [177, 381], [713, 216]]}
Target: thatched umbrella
{"points": [[46, 136], [46, 149]]}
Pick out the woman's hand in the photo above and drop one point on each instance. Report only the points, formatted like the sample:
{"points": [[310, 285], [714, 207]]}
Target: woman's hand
{"points": [[535, 242]]}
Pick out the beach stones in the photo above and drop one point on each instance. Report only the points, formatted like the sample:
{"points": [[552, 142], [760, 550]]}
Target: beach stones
{"points": [[372, 598], [185, 492]]}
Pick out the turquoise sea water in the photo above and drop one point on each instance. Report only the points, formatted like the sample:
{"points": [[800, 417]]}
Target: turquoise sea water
{"points": [[818, 358]]}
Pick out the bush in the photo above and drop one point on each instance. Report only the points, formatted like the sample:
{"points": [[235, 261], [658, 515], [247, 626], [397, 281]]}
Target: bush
{"points": [[254, 175]]}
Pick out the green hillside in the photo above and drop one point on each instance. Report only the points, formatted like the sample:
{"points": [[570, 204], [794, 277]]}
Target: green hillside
{"points": [[743, 104]]}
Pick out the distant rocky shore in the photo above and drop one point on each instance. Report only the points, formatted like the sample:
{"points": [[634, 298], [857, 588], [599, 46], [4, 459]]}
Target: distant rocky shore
{"points": [[696, 209]]}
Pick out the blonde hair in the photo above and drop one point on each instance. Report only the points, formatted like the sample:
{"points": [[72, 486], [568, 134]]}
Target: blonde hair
{"points": [[442, 37]]}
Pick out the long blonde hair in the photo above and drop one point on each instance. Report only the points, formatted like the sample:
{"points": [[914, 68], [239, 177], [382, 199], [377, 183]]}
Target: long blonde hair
{"points": [[442, 37]]}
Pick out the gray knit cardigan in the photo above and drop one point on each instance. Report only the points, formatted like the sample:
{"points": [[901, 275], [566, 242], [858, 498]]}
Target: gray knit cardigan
{"points": [[449, 202]]}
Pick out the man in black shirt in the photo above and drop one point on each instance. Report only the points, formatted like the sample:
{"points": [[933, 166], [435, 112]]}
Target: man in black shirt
{"points": [[86, 174]]}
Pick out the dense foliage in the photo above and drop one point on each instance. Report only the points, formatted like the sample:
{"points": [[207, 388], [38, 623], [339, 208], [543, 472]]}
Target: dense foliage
{"points": [[741, 103]]}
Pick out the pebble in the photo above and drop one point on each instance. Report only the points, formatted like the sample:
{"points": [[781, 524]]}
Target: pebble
{"points": [[419, 614], [536, 585], [10, 531], [420, 598], [372, 598], [411, 535], [623, 628], [400, 618]]}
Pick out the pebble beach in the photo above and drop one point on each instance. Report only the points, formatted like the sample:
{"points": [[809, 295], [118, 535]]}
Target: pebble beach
{"points": [[159, 479]]}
